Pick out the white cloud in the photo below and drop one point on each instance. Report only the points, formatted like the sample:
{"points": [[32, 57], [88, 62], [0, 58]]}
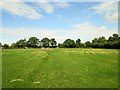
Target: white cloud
{"points": [[62, 4], [36, 32], [46, 6], [20, 9], [49, 7], [106, 7], [112, 17], [87, 31], [84, 31], [30, 12], [109, 10], [62, 0]]}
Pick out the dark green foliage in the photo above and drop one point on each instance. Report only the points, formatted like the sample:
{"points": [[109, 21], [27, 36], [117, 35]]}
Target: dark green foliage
{"points": [[33, 42], [61, 45], [82, 45], [69, 43], [118, 45], [45, 42], [12, 45], [99, 42], [21, 43], [102, 41], [88, 44], [78, 43], [53, 43], [110, 39], [115, 37], [0, 44], [95, 43], [5, 46], [113, 42]]}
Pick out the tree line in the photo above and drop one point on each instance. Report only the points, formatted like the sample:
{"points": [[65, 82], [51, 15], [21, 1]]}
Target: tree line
{"points": [[112, 42]]}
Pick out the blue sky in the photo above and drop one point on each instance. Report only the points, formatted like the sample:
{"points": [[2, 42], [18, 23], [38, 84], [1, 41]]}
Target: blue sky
{"points": [[60, 20]]}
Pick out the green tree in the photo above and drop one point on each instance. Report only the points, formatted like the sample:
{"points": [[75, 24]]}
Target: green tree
{"points": [[69, 43], [40, 44], [82, 45], [0, 45], [113, 41], [110, 39], [61, 45], [118, 45], [88, 44], [109, 44], [115, 37], [78, 43], [21, 43], [45, 42], [33, 42], [95, 43], [5, 46], [12, 45], [53, 42], [102, 41]]}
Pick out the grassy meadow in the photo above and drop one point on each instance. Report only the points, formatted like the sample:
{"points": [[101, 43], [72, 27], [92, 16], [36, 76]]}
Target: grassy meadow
{"points": [[60, 68]]}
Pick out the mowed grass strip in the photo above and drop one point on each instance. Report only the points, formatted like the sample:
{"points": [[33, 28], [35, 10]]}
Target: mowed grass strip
{"points": [[64, 68]]}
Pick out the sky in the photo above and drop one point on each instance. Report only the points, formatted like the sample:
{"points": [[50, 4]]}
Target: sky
{"points": [[59, 20]]}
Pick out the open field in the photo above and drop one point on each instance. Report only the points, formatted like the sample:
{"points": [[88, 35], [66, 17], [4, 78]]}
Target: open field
{"points": [[64, 68]]}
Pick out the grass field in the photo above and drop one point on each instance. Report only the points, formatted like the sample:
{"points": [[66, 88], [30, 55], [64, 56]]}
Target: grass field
{"points": [[63, 68]]}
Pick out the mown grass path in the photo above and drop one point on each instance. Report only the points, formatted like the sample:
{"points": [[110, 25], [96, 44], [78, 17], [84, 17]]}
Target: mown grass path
{"points": [[64, 68]]}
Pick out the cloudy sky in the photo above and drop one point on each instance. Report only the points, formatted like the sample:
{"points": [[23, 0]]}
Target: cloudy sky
{"points": [[60, 20]]}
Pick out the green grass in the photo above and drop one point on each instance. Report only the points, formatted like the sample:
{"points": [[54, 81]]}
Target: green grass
{"points": [[60, 68]]}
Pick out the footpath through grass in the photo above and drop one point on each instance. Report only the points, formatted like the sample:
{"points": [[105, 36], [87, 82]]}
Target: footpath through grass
{"points": [[60, 68]]}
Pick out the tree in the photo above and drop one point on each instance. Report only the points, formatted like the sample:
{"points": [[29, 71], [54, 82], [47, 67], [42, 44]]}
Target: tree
{"points": [[88, 44], [61, 45], [45, 42], [82, 45], [109, 44], [33, 42], [0, 45], [113, 41], [53, 42], [78, 43], [102, 41], [115, 37], [110, 39], [69, 43], [12, 45], [95, 43], [40, 44], [21, 43], [118, 45], [5, 46]]}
